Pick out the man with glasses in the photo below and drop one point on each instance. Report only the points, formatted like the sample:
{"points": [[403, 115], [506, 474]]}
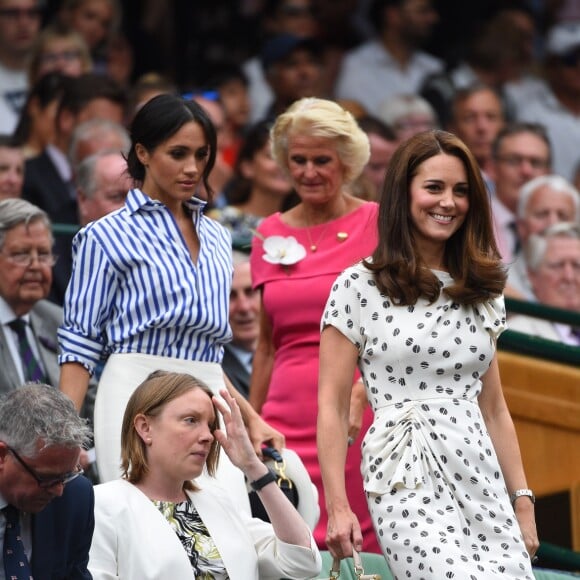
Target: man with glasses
{"points": [[28, 346], [20, 22], [29, 322], [519, 153], [46, 509]]}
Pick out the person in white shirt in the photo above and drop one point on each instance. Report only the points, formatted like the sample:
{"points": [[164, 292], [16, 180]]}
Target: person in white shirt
{"points": [[278, 17], [553, 261], [19, 26], [543, 201], [391, 63], [558, 106], [161, 521]]}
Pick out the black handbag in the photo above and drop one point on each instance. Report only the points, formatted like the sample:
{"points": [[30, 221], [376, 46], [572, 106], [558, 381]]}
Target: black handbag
{"points": [[274, 460]]}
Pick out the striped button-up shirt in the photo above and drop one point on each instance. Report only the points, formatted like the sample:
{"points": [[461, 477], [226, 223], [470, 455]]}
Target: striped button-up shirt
{"points": [[135, 289]]}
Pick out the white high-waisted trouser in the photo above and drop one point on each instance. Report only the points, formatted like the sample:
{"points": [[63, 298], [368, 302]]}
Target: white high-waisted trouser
{"points": [[122, 374]]}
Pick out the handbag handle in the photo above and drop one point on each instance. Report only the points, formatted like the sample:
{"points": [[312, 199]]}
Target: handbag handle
{"points": [[359, 571], [279, 465]]}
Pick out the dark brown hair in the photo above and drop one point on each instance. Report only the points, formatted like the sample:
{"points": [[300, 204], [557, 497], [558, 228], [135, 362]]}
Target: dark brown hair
{"points": [[471, 254]]}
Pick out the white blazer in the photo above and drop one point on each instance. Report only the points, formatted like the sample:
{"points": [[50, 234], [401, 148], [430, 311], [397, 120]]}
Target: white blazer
{"points": [[133, 541]]}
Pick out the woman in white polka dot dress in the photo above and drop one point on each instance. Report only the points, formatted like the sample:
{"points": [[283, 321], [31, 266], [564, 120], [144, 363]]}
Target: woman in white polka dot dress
{"points": [[442, 468]]}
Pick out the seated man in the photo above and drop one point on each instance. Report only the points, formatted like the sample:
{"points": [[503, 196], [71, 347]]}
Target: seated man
{"points": [[543, 201], [26, 261], [245, 323], [553, 262], [28, 322], [46, 510]]}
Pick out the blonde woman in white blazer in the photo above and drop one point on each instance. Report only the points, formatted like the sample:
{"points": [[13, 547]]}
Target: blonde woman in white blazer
{"points": [[156, 523]]}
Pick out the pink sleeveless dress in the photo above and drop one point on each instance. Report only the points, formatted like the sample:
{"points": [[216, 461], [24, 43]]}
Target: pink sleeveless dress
{"points": [[294, 298]]}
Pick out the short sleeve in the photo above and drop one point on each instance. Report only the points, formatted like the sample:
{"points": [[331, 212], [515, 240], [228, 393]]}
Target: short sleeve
{"points": [[493, 316], [343, 307]]}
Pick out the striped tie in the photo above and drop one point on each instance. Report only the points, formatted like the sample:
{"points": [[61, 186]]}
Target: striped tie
{"points": [[31, 367], [16, 563]]}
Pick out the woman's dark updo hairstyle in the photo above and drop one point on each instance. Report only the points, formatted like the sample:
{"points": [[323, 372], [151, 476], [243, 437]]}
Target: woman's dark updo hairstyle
{"points": [[158, 120]]}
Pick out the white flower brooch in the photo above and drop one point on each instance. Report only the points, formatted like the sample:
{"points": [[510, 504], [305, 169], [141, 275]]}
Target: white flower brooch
{"points": [[284, 251]]}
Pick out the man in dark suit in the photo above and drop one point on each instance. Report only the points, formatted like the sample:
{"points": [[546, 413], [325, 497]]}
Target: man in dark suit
{"points": [[46, 509], [26, 261], [48, 177], [245, 324]]}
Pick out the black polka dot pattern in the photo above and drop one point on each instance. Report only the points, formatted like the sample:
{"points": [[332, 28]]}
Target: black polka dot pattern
{"points": [[434, 487]]}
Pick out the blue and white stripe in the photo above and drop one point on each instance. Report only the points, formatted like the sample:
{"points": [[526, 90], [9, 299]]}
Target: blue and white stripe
{"points": [[135, 289]]}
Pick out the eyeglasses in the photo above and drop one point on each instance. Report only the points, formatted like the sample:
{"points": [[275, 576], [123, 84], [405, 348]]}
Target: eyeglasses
{"points": [[47, 482], [517, 160], [559, 267], [25, 259], [16, 13], [65, 55]]}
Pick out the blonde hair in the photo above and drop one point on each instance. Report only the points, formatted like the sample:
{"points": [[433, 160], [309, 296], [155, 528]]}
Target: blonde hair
{"points": [[149, 399], [328, 120]]}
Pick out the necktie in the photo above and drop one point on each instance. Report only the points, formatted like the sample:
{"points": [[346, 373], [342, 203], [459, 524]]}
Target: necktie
{"points": [[516, 241], [32, 370], [16, 564]]}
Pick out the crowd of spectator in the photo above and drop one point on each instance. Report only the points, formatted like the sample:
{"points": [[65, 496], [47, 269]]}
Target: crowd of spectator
{"points": [[504, 77]]}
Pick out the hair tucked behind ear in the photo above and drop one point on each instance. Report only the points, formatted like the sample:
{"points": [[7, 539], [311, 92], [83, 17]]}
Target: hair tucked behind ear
{"points": [[471, 254], [149, 399]]}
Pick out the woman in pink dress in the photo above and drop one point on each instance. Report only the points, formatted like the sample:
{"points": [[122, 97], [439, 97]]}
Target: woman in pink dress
{"points": [[296, 256]]}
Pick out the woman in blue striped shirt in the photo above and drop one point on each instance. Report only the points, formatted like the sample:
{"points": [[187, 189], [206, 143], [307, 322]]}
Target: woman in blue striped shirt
{"points": [[151, 282]]}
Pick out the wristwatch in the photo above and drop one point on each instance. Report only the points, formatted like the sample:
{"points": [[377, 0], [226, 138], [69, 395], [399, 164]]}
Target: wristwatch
{"points": [[522, 492], [267, 478]]}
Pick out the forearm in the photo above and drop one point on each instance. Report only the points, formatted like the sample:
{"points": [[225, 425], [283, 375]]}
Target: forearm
{"points": [[335, 394], [287, 522], [500, 427], [261, 374], [503, 435], [332, 437], [74, 382]]}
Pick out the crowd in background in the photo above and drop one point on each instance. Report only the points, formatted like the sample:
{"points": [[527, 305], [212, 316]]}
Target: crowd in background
{"points": [[503, 76]]}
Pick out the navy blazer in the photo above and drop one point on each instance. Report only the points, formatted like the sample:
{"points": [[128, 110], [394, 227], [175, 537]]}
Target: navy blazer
{"points": [[44, 187], [236, 371], [62, 534]]}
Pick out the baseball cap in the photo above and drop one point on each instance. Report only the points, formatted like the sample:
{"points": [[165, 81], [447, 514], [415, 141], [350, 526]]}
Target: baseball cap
{"points": [[563, 38], [280, 47]]}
